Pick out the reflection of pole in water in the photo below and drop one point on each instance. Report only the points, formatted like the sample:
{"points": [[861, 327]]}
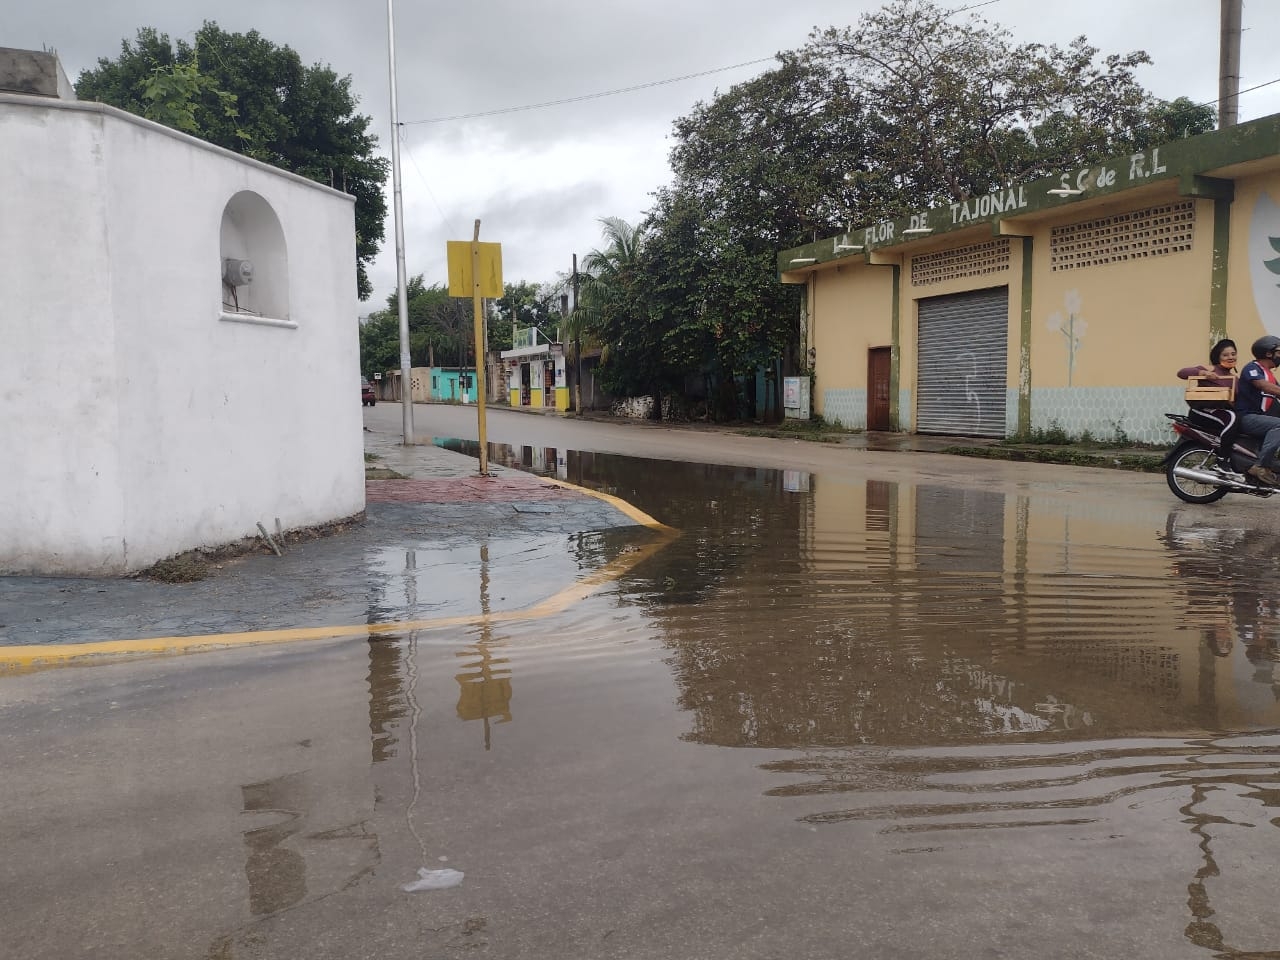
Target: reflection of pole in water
{"points": [[415, 714], [484, 692], [411, 582], [411, 690], [1200, 931], [387, 703]]}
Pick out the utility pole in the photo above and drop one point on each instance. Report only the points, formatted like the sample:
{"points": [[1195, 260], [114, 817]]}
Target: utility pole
{"points": [[406, 370], [1229, 65], [577, 344], [477, 301]]}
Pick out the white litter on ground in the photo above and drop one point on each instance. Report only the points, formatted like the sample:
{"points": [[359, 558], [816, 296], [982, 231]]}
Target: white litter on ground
{"points": [[433, 880]]}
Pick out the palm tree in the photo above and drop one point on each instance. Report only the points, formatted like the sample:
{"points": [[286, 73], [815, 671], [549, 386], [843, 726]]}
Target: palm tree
{"points": [[611, 310], [609, 284]]}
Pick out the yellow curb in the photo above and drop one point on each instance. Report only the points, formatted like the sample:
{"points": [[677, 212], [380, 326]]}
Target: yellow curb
{"points": [[35, 657], [639, 516]]}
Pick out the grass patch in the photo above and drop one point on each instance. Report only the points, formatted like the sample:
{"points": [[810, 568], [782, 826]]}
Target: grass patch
{"points": [[1074, 456], [188, 567], [1055, 436], [814, 429], [383, 473]]}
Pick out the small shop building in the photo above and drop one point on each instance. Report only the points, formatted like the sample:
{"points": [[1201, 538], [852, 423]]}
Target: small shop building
{"points": [[1066, 302], [452, 384], [535, 371]]}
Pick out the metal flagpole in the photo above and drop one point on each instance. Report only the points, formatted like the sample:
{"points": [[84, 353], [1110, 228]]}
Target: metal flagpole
{"points": [[406, 373]]}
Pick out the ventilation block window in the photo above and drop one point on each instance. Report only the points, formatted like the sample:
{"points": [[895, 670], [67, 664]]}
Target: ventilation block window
{"points": [[1150, 232], [975, 260]]}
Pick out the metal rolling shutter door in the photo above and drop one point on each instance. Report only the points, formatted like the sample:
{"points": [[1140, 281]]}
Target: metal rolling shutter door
{"points": [[963, 350]]}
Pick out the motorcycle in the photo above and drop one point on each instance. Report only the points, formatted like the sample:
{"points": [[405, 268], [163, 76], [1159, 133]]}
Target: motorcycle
{"points": [[1193, 469]]}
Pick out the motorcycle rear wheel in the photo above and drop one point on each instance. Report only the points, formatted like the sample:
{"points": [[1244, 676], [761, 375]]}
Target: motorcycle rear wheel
{"points": [[1192, 456]]}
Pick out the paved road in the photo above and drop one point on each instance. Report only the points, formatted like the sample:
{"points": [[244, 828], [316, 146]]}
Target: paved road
{"points": [[643, 766], [913, 460]]}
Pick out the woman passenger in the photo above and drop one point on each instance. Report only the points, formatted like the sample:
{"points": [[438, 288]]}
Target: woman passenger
{"points": [[1223, 373], [1222, 365]]}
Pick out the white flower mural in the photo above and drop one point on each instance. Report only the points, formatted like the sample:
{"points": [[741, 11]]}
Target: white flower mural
{"points": [[1071, 325], [1264, 245]]}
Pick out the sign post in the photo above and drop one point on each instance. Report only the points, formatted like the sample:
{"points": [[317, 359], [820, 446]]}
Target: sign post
{"points": [[475, 271]]}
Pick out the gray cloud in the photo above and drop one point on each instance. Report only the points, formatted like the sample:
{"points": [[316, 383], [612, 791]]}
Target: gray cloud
{"points": [[488, 54]]}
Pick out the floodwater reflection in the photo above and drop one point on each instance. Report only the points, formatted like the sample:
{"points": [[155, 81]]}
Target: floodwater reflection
{"points": [[807, 611], [276, 872], [1223, 790], [958, 669]]}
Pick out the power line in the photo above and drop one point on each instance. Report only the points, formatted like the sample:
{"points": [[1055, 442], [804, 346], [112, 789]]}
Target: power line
{"points": [[1239, 93], [639, 86], [972, 6], [431, 194], [588, 96], [691, 76]]}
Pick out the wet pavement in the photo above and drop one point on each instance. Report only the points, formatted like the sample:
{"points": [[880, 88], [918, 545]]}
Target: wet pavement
{"points": [[436, 524], [861, 705]]}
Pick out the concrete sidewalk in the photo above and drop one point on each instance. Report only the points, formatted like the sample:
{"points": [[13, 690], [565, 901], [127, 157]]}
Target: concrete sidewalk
{"points": [[423, 461], [432, 527]]}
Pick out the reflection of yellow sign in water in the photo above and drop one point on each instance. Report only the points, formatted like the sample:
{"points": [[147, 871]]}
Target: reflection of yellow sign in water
{"points": [[485, 691], [481, 699], [461, 279]]}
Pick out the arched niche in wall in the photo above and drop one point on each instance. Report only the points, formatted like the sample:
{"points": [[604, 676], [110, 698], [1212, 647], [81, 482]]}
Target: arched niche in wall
{"points": [[253, 267]]}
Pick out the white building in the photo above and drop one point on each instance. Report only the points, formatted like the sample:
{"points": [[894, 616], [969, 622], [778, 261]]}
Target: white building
{"points": [[146, 405]]}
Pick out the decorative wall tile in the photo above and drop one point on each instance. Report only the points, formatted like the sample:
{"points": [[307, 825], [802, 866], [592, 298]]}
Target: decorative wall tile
{"points": [[846, 407], [1104, 411]]}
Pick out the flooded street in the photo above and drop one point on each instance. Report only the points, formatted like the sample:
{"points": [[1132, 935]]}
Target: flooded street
{"points": [[881, 705]]}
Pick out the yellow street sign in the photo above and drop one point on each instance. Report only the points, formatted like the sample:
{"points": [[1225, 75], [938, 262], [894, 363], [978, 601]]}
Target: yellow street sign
{"points": [[461, 279]]}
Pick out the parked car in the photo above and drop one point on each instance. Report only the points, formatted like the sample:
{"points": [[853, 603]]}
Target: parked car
{"points": [[367, 397]]}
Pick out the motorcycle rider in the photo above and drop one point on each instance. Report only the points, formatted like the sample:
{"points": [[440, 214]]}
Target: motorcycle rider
{"points": [[1258, 404], [1221, 372]]}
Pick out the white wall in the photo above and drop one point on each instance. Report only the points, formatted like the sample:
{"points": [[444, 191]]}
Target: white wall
{"points": [[134, 422]]}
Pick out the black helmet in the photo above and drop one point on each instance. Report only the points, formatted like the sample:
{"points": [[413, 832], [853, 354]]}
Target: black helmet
{"points": [[1264, 345]]}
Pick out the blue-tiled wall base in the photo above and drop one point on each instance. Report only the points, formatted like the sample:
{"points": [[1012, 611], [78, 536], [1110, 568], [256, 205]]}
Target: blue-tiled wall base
{"points": [[1137, 411], [848, 407]]}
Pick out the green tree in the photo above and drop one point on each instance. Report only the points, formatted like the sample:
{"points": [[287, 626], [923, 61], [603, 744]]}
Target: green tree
{"points": [[909, 108], [782, 156], [380, 342], [970, 110], [441, 330], [248, 94], [614, 311], [525, 304], [771, 163], [1169, 120]]}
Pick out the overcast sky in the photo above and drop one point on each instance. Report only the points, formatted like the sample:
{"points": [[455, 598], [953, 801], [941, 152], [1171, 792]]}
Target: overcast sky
{"points": [[540, 180]]}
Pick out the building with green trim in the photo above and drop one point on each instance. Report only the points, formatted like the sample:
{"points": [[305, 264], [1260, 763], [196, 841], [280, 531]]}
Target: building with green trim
{"points": [[1068, 301]]}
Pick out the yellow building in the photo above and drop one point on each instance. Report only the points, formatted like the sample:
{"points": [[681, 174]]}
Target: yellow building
{"points": [[535, 372], [1069, 301]]}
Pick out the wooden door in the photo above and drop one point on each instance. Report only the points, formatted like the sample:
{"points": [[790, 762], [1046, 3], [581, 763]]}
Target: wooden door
{"points": [[878, 369]]}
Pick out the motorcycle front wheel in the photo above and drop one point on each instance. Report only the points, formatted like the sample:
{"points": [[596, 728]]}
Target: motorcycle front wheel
{"points": [[1192, 456]]}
